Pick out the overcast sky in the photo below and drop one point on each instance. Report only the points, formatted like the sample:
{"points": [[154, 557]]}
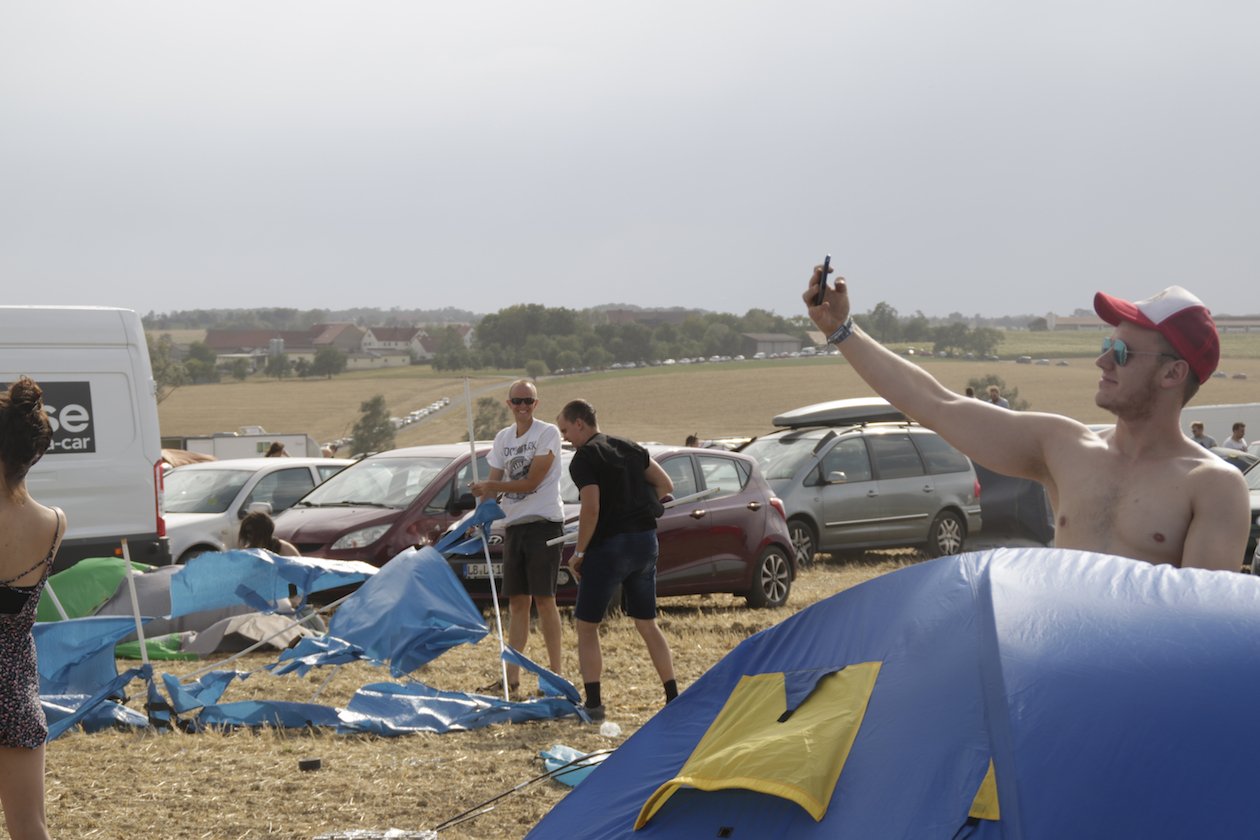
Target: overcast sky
{"points": [[981, 156]]}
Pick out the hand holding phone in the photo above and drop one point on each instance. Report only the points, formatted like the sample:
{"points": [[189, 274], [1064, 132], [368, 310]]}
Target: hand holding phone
{"points": [[822, 281]]}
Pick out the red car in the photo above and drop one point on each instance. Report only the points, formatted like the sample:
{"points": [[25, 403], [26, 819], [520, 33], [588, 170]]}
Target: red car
{"points": [[735, 540]]}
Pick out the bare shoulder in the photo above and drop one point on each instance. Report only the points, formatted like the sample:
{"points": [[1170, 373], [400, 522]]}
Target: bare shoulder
{"points": [[1216, 479]]}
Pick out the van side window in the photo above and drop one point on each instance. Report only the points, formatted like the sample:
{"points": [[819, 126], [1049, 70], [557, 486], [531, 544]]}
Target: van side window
{"points": [[939, 456], [849, 457], [895, 456], [721, 473], [281, 488], [683, 475]]}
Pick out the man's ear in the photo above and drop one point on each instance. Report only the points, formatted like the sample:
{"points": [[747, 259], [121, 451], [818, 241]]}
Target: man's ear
{"points": [[1175, 374]]}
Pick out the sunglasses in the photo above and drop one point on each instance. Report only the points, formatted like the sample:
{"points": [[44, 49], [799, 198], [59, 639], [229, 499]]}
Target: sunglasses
{"points": [[1121, 352], [521, 400]]}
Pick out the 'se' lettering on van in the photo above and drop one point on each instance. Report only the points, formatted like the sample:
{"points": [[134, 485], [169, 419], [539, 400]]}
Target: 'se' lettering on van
{"points": [[104, 466]]}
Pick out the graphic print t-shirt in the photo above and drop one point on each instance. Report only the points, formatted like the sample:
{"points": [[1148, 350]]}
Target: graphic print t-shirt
{"points": [[514, 455]]}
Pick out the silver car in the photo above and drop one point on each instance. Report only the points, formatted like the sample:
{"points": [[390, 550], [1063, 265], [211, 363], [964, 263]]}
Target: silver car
{"points": [[856, 478]]}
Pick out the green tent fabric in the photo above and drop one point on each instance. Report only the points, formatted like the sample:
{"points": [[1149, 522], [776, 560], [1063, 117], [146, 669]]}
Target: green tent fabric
{"points": [[84, 587], [169, 646]]}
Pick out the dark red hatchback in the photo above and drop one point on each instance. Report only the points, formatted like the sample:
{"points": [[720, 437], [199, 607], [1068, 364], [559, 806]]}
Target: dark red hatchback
{"points": [[734, 540]]}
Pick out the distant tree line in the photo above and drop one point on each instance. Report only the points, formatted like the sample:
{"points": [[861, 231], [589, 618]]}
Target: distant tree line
{"points": [[199, 365], [954, 336], [532, 336]]}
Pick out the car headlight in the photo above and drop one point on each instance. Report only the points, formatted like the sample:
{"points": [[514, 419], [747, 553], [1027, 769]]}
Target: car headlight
{"points": [[361, 538]]}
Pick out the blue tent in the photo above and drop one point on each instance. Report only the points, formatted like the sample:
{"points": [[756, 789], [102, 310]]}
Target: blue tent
{"points": [[1032, 693]]}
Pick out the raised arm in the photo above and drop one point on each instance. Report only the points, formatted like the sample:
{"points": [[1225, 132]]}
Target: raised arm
{"points": [[1014, 443]]}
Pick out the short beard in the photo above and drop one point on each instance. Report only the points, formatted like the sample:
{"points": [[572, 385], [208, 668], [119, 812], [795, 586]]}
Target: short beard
{"points": [[1134, 407]]}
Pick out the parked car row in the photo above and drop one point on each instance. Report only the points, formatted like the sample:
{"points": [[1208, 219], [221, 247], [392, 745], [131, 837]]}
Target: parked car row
{"points": [[206, 501], [852, 474], [735, 540]]}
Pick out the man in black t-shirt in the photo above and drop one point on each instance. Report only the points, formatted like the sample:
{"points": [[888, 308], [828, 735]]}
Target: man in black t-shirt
{"points": [[620, 488]]}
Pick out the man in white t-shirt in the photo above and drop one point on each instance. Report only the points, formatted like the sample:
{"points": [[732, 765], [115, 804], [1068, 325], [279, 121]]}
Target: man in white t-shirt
{"points": [[1236, 439], [525, 473]]}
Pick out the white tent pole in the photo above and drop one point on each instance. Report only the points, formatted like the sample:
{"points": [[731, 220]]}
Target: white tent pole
{"points": [[494, 592], [61, 611], [135, 602]]}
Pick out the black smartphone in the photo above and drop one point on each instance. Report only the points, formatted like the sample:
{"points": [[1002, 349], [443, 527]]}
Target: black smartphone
{"points": [[822, 284]]}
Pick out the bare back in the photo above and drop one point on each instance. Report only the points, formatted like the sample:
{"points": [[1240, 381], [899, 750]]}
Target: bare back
{"points": [[27, 531]]}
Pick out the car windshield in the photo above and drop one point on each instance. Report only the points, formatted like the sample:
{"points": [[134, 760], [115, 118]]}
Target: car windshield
{"points": [[378, 482], [203, 491], [781, 456]]}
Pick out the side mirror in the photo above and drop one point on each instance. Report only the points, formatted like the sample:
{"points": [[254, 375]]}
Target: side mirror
{"points": [[254, 507], [837, 477]]}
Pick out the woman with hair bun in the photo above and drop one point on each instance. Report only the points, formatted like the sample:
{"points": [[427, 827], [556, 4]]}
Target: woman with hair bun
{"points": [[29, 536]]}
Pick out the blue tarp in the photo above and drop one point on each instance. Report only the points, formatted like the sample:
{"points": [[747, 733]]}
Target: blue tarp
{"points": [[76, 656], [257, 578], [1108, 693], [408, 614], [405, 615]]}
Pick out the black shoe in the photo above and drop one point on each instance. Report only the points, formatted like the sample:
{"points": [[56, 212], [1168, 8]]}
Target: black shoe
{"points": [[595, 713]]}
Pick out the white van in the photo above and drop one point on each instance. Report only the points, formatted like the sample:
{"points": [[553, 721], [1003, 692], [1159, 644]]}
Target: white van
{"points": [[104, 466]]}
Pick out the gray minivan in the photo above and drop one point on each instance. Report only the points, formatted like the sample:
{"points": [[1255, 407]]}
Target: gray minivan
{"points": [[856, 474]]}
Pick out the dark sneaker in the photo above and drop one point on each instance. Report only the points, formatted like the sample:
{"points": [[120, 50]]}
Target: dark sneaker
{"points": [[595, 713]]}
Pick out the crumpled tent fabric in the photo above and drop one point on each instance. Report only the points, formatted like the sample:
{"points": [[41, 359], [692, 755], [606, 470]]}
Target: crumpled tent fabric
{"points": [[405, 615], [1106, 692], [409, 613], [84, 587], [224, 579]]}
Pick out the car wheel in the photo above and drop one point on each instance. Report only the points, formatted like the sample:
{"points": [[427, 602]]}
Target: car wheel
{"points": [[946, 535], [193, 552], [772, 580], [804, 542]]}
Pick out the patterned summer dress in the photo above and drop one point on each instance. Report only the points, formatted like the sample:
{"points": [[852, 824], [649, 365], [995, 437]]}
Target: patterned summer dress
{"points": [[22, 722]]}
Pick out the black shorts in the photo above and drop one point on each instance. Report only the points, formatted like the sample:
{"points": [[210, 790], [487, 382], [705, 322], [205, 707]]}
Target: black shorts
{"points": [[530, 566]]}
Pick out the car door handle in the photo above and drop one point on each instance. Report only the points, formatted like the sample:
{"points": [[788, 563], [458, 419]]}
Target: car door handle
{"points": [[699, 513], [870, 494], [927, 488], [754, 505]]}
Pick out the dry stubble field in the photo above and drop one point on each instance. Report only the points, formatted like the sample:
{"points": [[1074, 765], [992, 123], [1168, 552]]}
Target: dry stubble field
{"points": [[241, 785]]}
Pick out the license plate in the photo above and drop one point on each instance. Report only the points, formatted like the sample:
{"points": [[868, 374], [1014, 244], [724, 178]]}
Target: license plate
{"points": [[480, 570]]}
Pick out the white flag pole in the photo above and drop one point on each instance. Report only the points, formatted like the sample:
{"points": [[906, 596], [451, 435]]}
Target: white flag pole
{"points": [[135, 602], [61, 611], [494, 591]]}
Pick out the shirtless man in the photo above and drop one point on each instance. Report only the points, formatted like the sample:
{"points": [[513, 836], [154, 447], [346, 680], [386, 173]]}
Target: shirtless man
{"points": [[1141, 490]]}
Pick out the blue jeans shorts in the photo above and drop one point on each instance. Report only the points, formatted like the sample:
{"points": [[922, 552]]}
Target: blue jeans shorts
{"points": [[628, 560]]}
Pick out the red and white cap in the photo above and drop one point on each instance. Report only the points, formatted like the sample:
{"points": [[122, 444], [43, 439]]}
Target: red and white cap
{"points": [[1178, 316]]}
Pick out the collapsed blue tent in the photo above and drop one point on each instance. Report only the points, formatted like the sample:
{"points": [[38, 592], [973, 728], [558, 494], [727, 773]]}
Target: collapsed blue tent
{"points": [[1031, 693]]}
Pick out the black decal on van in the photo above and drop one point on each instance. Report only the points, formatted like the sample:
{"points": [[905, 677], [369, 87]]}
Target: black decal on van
{"points": [[69, 407]]}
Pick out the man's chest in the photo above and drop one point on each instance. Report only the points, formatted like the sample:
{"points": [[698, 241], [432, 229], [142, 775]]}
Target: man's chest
{"points": [[1133, 510]]}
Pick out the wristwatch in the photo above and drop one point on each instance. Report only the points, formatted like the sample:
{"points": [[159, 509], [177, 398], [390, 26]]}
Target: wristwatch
{"points": [[579, 554]]}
